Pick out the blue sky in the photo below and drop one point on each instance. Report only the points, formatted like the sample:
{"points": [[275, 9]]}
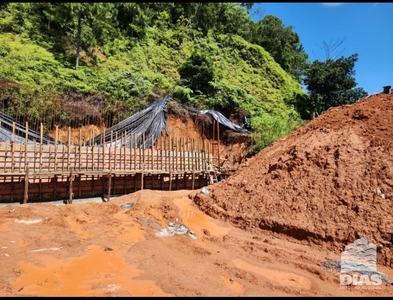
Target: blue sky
{"points": [[363, 28]]}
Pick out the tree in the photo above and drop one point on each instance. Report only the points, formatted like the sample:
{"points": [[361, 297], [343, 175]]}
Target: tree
{"points": [[331, 83], [197, 73], [84, 24], [282, 43]]}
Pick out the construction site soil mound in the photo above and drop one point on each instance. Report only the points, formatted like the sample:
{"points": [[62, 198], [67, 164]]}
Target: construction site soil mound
{"points": [[327, 184]]}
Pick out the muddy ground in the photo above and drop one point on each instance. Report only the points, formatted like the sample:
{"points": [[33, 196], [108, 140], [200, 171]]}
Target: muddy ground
{"points": [[276, 227]]}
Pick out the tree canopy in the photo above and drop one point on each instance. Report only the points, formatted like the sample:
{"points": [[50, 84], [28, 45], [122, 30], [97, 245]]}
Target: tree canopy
{"points": [[332, 83]]}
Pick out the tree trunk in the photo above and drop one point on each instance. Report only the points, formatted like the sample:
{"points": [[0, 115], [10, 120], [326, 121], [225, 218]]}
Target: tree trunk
{"points": [[78, 40]]}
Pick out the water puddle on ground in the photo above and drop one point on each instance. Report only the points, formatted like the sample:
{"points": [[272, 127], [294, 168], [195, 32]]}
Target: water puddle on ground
{"points": [[95, 274], [196, 220], [283, 278]]}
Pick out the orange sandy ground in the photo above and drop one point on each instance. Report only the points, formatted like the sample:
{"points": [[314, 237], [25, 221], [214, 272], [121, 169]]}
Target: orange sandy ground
{"points": [[101, 249]]}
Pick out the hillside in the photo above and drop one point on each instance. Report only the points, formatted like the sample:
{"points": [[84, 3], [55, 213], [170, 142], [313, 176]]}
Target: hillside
{"points": [[36, 87]]}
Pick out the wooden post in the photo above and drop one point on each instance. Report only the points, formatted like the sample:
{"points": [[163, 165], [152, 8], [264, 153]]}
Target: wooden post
{"points": [[68, 145], [80, 186], [71, 179], [170, 179], [124, 146], [144, 148], [135, 152], [199, 154], [92, 157], [204, 154], [143, 167], [109, 184], [193, 176], [162, 151], [214, 125], [152, 153], [13, 148], [115, 149], [35, 150], [188, 153], [56, 139], [80, 148], [26, 142], [26, 191], [218, 145], [13, 132], [176, 155], [170, 153], [181, 154], [130, 151], [54, 186], [139, 152]]}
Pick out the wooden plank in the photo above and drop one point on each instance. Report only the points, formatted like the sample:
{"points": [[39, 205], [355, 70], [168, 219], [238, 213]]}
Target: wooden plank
{"points": [[193, 177], [162, 152], [115, 150], [62, 159], [134, 151], [103, 156], [56, 139], [109, 184], [71, 180], [13, 147], [144, 148], [26, 141], [181, 153], [79, 149], [170, 179], [170, 154], [218, 145], [69, 146], [188, 153], [204, 154], [208, 152], [35, 154], [143, 167], [13, 132], [125, 150], [152, 152], [26, 191], [92, 157], [199, 154]]}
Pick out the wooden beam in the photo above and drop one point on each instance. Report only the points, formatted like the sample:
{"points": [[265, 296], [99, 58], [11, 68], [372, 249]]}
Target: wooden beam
{"points": [[109, 184], [71, 180], [26, 191]]}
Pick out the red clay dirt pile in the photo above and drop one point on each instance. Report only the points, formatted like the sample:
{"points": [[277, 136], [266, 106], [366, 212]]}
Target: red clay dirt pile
{"points": [[327, 184]]}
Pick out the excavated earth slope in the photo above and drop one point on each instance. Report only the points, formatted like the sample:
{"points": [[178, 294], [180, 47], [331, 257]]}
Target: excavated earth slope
{"points": [[327, 184]]}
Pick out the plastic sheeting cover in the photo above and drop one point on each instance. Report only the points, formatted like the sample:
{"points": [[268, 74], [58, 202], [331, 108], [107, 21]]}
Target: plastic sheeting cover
{"points": [[149, 123], [20, 132]]}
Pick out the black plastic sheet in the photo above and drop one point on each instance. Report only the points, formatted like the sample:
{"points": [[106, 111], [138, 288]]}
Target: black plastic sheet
{"points": [[143, 128]]}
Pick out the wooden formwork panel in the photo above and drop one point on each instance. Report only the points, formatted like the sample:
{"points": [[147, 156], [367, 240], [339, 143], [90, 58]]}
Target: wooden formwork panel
{"points": [[58, 188]]}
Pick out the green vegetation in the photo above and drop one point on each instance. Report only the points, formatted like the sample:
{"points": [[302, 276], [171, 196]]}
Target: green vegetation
{"points": [[70, 63]]}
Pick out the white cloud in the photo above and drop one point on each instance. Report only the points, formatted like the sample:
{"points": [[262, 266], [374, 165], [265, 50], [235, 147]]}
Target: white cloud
{"points": [[332, 4]]}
